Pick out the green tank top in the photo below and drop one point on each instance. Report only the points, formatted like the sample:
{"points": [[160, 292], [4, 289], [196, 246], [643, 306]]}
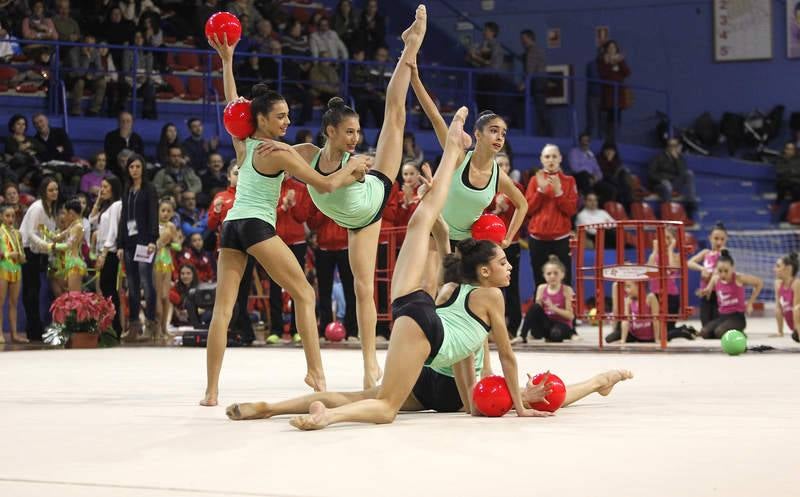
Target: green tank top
{"points": [[464, 333], [257, 194], [353, 206], [448, 370], [465, 204]]}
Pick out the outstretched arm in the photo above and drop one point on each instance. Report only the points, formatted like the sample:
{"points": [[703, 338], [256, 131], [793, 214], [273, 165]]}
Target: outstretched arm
{"points": [[464, 373], [694, 261], [757, 284], [779, 308], [428, 105], [225, 52]]}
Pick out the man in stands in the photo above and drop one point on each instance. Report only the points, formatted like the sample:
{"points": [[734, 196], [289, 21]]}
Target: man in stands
{"points": [[122, 138], [535, 63], [194, 220], [583, 165], [198, 148], [668, 173], [487, 55], [176, 178], [56, 142], [787, 180], [87, 70], [326, 40], [592, 214]]}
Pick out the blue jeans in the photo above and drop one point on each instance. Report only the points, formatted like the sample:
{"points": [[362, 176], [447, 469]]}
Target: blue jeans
{"points": [[140, 276]]}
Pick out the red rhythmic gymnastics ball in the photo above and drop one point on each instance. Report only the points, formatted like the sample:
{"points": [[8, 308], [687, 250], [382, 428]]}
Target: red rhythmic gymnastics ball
{"points": [[555, 399], [489, 227], [238, 119], [335, 331], [224, 23], [491, 396]]}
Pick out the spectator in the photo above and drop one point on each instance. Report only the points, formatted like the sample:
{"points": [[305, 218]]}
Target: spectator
{"points": [[87, 70], [176, 178], [587, 172], [594, 94], [25, 153], [56, 143], [787, 180], [616, 174], [667, 172], [179, 295], [154, 37], [111, 76], [552, 201], [122, 138], [117, 31], [200, 259], [303, 136], [167, 139], [536, 64], [369, 84], [372, 26], [91, 181], [616, 98], [325, 40], [246, 9], [140, 62], [133, 10], [296, 73], [201, 15], [345, 23], [592, 214], [66, 27], [105, 221], [138, 225], [487, 55], [214, 178], [41, 213], [37, 26], [196, 147], [8, 44], [11, 198], [412, 154], [324, 79], [262, 40], [194, 220]]}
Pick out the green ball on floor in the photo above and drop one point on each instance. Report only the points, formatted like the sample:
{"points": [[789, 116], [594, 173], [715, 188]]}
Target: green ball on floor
{"points": [[734, 342]]}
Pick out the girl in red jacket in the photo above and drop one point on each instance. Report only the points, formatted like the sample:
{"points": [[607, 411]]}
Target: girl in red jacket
{"points": [[552, 201]]}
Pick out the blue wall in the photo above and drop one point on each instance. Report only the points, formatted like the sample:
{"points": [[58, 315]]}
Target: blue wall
{"points": [[668, 44]]}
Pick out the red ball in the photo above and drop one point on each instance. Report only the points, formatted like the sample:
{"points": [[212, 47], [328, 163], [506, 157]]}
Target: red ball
{"points": [[489, 227], [555, 398], [224, 23], [335, 331], [491, 396], [238, 119]]}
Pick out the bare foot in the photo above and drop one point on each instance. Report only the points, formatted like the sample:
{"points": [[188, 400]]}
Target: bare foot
{"points": [[316, 419], [3, 339], [608, 379], [210, 400], [247, 410], [19, 339], [413, 36], [373, 377], [316, 381]]}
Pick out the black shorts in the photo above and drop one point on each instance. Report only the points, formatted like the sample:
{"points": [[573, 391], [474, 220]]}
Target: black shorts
{"points": [[241, 234], [387, 191], [420, 307], [437, 392]]}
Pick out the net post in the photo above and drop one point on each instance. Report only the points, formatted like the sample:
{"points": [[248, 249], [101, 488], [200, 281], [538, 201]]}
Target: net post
{"points": [[600, 299]]}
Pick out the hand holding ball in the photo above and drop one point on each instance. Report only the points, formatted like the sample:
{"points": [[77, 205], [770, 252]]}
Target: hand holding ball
{"points": [[224, 24]]}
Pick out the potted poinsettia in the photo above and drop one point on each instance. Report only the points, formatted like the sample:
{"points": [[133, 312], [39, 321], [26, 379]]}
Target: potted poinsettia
{"points": [[81, 320]]}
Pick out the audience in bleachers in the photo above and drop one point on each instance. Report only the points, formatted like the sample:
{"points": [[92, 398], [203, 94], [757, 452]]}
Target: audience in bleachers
{"points": [[668, 174]]}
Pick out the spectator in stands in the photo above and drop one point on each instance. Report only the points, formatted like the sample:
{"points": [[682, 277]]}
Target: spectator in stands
{"points": [[583, 165], [87, 70], [296, 73], [552, 201], [117, 31], [345, 23], [667, 172], [140, 62], [8, 44], [114, 105], [66, 26], [37, 26], [325, 82], [11, 198], [56, 143], [241, 8], [262, 40], [133, 10], [179, 294], [138, 225], [412, 154], [214, 178], [176, 177], [196, 147], [592, 214], [154, 37], [91, 181], [372, 27], [370, 83], [325, 40], [251, 72], [200, 259], [201, 14], [535, 63], [787, 180], [616, 98], [167, 139], [24, 153], [41, 213], [616, 175], [194, 220], [487, 55], [124, 137]]}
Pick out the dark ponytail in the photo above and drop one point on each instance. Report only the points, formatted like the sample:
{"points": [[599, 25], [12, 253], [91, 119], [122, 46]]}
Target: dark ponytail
{"points": [[793, 260], [337, 112], [451, 267], [725, 256], [472, 254], [262, 98]]}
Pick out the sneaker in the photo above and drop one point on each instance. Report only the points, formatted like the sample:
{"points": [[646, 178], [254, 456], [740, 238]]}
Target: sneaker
{"points": [[296, 338], [516, 340], [273, 339]]}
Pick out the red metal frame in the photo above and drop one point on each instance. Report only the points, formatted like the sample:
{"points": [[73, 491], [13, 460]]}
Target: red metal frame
{"points": [[384, 275], [638, 233]]}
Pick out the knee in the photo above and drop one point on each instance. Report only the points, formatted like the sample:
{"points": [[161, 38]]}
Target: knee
{"points": [[386, 415], [303, 295], [364, 288]]}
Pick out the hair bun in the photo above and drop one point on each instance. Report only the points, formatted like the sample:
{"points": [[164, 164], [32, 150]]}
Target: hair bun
{"points": [[794, 256], [553, 258], [336, 103], [719, 226], [724, 253], [260, 89], [466, 245]]}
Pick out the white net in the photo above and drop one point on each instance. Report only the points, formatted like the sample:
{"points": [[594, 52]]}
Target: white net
{"points": [[756, 251]]}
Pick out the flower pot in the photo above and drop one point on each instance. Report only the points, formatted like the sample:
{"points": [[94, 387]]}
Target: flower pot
{"points": [[82, 340]]}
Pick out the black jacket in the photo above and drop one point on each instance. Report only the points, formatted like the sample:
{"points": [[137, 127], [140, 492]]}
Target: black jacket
{"points": [[114, 144], [57, 138], [143, 208]]}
